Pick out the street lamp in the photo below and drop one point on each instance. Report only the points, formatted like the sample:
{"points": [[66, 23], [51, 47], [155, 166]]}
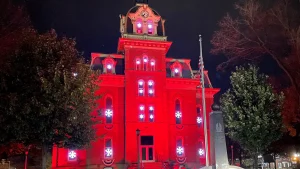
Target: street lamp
{"points": [[138, 146]]}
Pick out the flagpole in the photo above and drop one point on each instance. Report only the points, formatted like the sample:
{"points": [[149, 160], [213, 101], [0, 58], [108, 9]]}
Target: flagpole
{"points": [[201, 69]]}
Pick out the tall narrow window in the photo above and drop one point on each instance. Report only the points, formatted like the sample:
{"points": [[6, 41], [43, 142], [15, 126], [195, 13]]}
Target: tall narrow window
{"points": [[151, 114], [138, 64], [142, 113], [108, 110], [150, 27], [139, 27], [178, 113], [201, 151], [108, 149], [179, 147], [72, 155], [141, 88], [199, 119], [150, 88], [152, 65], [145, 63]]}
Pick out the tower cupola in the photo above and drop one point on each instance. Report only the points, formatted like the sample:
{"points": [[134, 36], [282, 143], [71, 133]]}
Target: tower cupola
{"points": [[142, 22]]}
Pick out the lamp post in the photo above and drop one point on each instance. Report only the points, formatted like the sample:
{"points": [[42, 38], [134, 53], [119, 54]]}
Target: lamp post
{"points": [[231, 154], [201, 71], [138, 146]]}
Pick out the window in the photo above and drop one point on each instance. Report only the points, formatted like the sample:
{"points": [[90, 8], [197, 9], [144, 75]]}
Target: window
{"points": [[72, 155], [201, 151], [178, 113], [142, 113], [150, 27], [179, 147], [145, 63], [152, 65], [139, 27], [199, 119], [150, 88], [151, 114], [108, 149], [108, 110], [141, 88], [138, 64]]}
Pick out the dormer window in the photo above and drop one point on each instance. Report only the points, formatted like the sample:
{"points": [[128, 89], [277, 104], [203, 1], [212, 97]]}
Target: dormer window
{"points": [[109, 65], [176, 69]]}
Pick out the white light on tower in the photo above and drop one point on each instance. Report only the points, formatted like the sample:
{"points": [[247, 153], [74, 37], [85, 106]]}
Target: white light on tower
{"points": [[176, 70], [199, 120], [179, 150], [201, 152], [152, 63], [150, 83], [149, 26], [139, 25], [178, 114], [141, 83], [109, 66], [141, 91], [151, 108], [138, 62], [142, 108], [151, 116], [141, 116], [145, 60], [150, 91], [108, 113], [108, 152]]}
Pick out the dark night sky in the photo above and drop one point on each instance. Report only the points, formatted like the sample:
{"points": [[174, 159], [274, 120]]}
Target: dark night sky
{"points": [[95, 25]]}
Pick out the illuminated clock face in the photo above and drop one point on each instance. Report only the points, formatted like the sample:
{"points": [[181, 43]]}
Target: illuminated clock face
{"points": [[145, 14]]}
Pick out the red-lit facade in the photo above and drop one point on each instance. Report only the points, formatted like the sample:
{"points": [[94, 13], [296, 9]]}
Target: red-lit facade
{"points": [[143, 89]]}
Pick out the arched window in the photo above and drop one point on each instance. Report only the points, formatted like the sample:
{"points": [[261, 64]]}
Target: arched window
{"points": [[109, 65], [152, 65], [138, 64], [139, 26], [141, 88], [150, 88], [176, 69], [108, 110], [179, 147], [108, 149], [201, 150], [142, 113], [178, 113], [199, 119], [151, 114], [150, 27], [145, 63]]}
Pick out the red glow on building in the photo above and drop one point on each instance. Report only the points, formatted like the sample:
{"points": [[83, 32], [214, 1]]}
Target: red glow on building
{"points": [[143, 89]]}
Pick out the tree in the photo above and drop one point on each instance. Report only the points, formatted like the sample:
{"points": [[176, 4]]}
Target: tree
{"points": [[252, 111], [47, 94], [265, 29]]}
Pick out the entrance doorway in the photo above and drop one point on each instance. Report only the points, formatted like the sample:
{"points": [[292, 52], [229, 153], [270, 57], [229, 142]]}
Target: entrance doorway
{"points": [[147, 148]]}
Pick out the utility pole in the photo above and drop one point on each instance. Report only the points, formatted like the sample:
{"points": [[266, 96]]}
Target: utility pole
{"points": [[201, 70]]}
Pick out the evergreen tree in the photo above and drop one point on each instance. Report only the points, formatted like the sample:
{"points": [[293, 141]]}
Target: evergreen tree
{"points": [[252, 111]]}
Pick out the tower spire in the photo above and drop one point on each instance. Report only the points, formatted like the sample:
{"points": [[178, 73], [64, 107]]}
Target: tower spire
{"points": [[201, 72]]}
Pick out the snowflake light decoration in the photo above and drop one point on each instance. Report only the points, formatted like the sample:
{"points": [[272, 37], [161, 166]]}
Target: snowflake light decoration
{"points": [[108, 113], [199, 120], [72, 155], [201, 152], [180, 150], [151, 116], [178, 114], [141, 116], [108, 152]]}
